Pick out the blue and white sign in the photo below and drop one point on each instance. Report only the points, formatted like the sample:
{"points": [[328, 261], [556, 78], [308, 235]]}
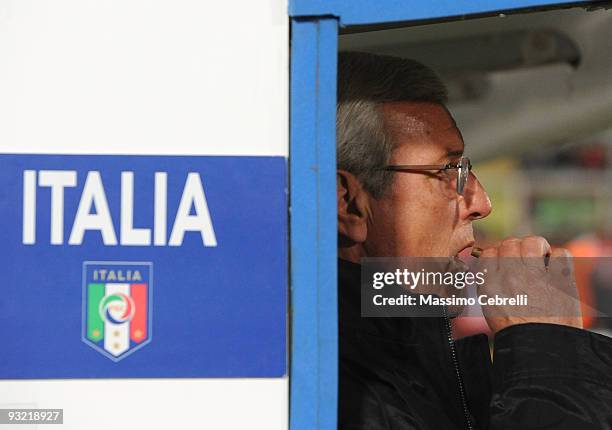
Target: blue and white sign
{"points": [[81, 235]]}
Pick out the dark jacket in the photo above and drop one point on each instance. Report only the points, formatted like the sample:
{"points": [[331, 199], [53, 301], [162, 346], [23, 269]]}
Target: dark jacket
{"points": [[409, 373]]}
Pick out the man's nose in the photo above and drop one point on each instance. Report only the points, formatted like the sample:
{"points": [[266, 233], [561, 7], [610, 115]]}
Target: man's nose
{"points": [[477, 202]]}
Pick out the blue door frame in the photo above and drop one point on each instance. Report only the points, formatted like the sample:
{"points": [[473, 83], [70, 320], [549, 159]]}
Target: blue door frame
{"points": [[315, 27], [313, 224]]}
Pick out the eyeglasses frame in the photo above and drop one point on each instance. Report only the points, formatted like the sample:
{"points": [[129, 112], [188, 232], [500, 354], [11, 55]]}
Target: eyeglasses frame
{"points": [[460, 166]]}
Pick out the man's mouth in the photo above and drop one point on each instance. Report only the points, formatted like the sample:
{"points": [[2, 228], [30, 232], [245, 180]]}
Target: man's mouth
{"points": [[465, 251]]}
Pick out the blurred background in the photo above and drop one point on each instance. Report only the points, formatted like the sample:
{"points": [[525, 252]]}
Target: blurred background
{"points": [[532, 94]]}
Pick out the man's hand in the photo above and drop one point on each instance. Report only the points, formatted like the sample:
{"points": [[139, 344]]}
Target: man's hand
{"points": [[529, 266]]}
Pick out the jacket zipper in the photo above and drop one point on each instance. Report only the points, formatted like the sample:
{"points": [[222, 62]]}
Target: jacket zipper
{"points": [[451, 344]]}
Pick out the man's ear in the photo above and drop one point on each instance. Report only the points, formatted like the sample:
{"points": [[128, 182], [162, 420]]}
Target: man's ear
{"points": [[353, 208]]}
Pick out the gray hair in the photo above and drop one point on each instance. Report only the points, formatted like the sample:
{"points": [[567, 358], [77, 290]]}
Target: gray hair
{"points": [[365, 82]]}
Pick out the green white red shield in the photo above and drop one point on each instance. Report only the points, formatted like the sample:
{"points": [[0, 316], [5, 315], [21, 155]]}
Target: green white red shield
{"points": [[116, 307]]}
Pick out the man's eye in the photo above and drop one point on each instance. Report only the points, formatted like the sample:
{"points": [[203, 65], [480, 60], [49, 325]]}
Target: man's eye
{"points": [[446, 174]]}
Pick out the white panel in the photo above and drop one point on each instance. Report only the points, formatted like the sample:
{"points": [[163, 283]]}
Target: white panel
{"points": [[117, 336], [147, 77], [144, 77], [185, 404]]}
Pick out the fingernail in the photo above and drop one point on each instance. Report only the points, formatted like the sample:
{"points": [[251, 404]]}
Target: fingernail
{"points": [[476, 251]]}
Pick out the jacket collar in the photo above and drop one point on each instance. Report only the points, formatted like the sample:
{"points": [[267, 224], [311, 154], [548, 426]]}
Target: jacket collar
{"points": [[413, 329]]}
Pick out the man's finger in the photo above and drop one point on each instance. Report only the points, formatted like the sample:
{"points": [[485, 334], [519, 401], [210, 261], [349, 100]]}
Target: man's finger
{"points": [[489, 252], [561, 270], [533, 251], [561, 263], [488, 260], [510, 255], [510, 247]]}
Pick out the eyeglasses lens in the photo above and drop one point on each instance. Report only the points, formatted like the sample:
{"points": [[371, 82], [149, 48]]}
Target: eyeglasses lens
{"points": [[463, 173]]}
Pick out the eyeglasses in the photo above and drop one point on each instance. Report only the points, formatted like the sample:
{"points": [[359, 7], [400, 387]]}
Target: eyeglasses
{"points": [[463, 167]]}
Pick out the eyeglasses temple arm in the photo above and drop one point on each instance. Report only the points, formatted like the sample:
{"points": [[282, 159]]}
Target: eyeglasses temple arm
{"points": [[416, 167]]}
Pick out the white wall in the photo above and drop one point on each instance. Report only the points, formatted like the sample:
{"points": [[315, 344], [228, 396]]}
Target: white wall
{"points": [[253, 404], [147, 77], [144, 76]]}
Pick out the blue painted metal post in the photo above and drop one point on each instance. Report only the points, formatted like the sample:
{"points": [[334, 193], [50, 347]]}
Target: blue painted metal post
{"points": [[314, 359]]}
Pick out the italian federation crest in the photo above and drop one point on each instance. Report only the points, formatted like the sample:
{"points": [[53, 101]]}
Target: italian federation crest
{"points": [[117, 306]]}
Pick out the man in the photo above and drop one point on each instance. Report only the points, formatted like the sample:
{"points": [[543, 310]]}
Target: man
{"points": [[409, 373]]}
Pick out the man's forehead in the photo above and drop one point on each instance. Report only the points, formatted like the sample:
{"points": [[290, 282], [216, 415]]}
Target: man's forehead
{"points": [[418, 118], [426, 123]]}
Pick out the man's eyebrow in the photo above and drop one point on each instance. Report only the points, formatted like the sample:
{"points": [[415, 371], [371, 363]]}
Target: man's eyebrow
{"points": [[451, 153], [455, 153]]}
